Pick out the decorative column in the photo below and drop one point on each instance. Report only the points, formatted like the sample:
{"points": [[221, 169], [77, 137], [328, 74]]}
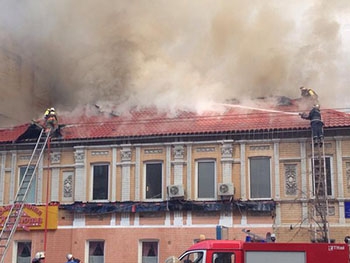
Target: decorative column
{"points": [[2, 177], [125, 154], [303, 159], [243, 173], [189, 171], [339, 158], [178, 163], [226, 161], [114, 175], [55, 160], [277, 171], [13, 176], [137, 173], [80, 174], [40, 178]]}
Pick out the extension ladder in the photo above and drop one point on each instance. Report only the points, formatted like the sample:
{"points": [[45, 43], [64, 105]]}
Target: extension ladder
{"points": [[320, 205], [14, 215]]}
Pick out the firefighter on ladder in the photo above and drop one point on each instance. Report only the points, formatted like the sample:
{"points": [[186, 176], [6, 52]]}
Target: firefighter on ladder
{"points": [[316, 124], [50, 119]]}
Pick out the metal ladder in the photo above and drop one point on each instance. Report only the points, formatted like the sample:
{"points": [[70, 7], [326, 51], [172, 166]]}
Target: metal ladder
{"points": [[14, 215], [320, 207]]}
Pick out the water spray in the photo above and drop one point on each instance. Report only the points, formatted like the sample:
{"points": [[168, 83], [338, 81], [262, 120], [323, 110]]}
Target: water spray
{"points": [[253, 108]]}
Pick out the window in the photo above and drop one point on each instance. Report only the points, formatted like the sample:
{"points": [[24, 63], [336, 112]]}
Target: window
{"points": [[206, 179], [96, 252], [193, 257], [223, 257], [23, 251], [153, 180], [150, 252], [260, 178], [319, 182], [100, 182], [32, 188]]}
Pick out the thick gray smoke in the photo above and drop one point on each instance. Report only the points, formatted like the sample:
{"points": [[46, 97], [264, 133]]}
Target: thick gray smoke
{"points": [[181, 54]]}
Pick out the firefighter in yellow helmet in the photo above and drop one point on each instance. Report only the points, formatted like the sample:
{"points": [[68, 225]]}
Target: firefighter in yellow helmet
{"points": [[50, 119], [309, 94]]}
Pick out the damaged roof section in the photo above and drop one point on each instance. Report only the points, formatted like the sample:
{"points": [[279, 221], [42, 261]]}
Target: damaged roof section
{"points": [[282, 118]]}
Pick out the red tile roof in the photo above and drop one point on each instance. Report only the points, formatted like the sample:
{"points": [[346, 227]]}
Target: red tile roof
{"points": [[150, 122]]}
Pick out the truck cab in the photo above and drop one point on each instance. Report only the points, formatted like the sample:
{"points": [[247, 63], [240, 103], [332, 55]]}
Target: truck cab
{"points": [[235, 251], [214, 251]]}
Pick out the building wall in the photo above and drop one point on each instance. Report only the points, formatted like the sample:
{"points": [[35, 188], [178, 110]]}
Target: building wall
{"points": [[70, 180]]}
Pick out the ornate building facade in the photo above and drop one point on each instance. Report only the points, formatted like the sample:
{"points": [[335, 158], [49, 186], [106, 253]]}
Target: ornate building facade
{"points": [[143, 193]]}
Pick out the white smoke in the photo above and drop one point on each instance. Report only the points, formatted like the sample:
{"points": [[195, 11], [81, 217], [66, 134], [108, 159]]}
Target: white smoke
{"points": [[182, 54]]}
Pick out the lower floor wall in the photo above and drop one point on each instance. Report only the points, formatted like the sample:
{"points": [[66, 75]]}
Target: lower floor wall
{"points": [[149, 237]]}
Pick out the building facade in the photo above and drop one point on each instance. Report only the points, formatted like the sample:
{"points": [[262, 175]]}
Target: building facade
{"points": [[146, 196]]}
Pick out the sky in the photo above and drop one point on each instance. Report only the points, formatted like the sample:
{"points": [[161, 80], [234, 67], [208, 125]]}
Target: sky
{"points": [[183, 54]]}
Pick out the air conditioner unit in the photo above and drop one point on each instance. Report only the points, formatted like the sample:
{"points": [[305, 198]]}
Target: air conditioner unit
{"points": [[175, 191], [226, 189]]}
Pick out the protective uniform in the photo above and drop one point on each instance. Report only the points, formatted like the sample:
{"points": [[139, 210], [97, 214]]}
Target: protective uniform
{"points": [[308, 93], [316, 123], [50, 119]]}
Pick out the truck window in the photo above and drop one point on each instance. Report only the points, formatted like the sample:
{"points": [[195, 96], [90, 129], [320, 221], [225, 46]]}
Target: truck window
{"points": [[196, 257], [223, 257]]}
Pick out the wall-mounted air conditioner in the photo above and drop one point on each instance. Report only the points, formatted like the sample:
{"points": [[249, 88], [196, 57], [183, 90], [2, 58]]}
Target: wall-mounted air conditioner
{"points": [[226, 189], [175, 191]]}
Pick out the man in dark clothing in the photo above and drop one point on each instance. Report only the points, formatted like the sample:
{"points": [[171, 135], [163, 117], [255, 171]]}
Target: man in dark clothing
{"points": [[316, 123]]}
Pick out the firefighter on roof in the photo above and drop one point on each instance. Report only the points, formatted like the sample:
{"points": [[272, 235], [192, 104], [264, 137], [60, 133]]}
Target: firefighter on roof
{"points": [[309, 94], [316, 123], [50, 119]]}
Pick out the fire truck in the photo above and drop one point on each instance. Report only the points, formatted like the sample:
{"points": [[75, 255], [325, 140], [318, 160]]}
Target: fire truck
{"points": [[235, 251]]}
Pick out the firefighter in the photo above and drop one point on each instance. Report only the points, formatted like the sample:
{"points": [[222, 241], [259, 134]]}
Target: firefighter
{"points": [[316, 124], [309, 94], [71, 259], [50, 119], [305, 93], [39, 257]]}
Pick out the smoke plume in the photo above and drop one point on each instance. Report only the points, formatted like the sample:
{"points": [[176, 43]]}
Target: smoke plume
{"points": [[180, 54]]}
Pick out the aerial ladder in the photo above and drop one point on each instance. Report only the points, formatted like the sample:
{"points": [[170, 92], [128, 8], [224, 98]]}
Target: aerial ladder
{"points": [[319, 203], [12, 220]]}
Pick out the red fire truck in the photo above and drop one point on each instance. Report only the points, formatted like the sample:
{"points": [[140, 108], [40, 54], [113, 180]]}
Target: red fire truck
{"points": [[234, 251]]}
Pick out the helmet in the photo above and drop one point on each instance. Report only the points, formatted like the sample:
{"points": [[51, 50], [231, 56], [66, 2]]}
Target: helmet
{"points": [[40, 255], [303, 88], [69, 256], [316, 106], [52, 109]]}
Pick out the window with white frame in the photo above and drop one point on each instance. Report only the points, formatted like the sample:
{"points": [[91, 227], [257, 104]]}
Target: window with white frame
{"points": [[319, 182], [260, 177], [100, 179], [149, 251], [23, 251], [31, 194], [96, 251], [153, 180], [206, 179]]}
